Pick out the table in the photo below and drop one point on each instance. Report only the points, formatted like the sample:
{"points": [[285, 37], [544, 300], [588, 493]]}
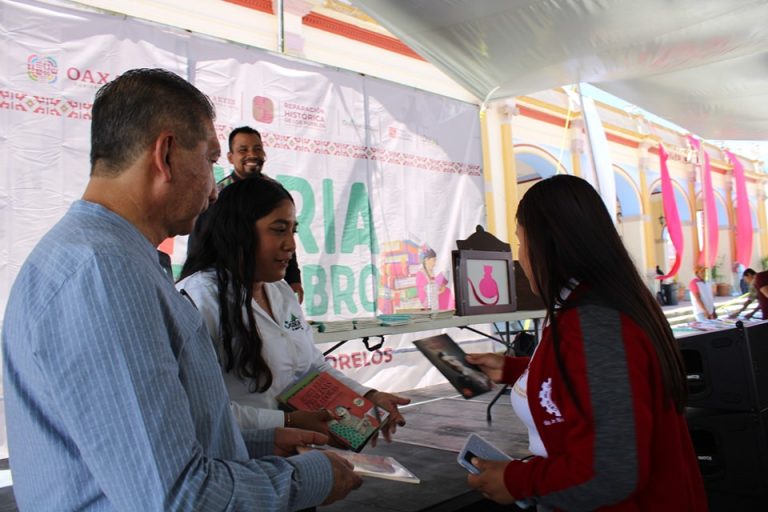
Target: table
{"points": [[443, 486], [442, 481], [461, 322], [443, 323]]}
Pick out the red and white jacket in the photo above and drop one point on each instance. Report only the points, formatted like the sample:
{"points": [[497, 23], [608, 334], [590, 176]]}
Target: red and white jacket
{"points": [[627, 449]]}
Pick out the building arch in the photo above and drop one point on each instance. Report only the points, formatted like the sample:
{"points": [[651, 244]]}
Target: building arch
{"points": [[628, 197], [681, 199], [723, 216], [663, 248], [533, 163]]}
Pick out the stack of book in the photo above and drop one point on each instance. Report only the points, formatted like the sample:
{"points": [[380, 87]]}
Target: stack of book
{"points": [[336, 326], [445, 313], [416, 314], [366, 323], [390, 320]]}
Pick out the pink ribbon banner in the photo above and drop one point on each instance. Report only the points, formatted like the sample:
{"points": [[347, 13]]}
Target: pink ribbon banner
{"points": [[743, 214], [674, 226]]}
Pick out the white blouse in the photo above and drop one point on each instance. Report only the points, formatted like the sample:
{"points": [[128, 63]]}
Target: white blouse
{"points": [[289, 348]]}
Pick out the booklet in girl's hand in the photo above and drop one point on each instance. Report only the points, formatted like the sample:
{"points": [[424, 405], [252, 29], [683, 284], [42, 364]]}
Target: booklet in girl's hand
{"points": [[451, 360]]}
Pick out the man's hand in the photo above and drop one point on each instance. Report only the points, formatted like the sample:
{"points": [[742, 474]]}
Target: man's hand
{"points": [[288, 439], [298, 290], [491, 364], [389, 403], [344, 480], [317, 421], [490, 481]]}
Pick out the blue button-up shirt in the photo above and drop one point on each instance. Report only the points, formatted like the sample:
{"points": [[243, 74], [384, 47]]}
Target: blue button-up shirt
{"points": [[114, 397]]}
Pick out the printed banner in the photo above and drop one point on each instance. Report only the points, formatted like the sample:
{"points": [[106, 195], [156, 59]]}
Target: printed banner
{"points": [[385, 177], [54, 61]]}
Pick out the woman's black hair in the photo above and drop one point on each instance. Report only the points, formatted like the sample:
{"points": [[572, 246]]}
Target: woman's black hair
{"points": [[227, 244], [570, 235]]}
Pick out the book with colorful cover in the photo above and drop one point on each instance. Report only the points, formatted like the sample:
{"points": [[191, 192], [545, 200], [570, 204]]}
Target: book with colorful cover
{"points": [[377, 466], [451, 360], [357, 418]]}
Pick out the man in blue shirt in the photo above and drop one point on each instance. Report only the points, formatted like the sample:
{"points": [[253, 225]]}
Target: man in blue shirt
{"points": [[114, 397]]}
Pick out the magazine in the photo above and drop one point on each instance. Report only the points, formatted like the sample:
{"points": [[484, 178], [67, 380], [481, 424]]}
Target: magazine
{"points": [[357, 418], [451, 360], [377, 466]]}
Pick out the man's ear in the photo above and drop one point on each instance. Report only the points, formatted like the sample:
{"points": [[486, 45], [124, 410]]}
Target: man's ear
{"points": [[162, 153], [231, 157]]}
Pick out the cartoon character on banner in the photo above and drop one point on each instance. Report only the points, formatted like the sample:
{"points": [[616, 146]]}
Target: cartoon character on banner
{"points": [[433, 290]]}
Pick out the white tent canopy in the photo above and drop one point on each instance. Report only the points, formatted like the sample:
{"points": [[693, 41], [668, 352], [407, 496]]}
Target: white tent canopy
{"points": [[702, 64]]}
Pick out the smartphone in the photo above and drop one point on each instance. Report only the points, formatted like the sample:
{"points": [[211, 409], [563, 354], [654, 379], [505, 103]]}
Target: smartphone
{"points": [[476, 446]]}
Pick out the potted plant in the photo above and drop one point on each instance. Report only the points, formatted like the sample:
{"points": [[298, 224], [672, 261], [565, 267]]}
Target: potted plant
{"points": [[681, 291], [722, 289]]}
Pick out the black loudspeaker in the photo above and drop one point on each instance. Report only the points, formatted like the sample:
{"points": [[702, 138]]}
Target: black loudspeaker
{"points": [[727, 369], [732, 450]]}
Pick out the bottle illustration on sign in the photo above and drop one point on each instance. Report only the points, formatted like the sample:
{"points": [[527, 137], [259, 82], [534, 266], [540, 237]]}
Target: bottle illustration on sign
{"points": [[489, 288]]}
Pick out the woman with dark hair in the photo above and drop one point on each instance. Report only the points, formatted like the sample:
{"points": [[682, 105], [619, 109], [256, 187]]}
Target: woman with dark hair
{"points": [[604, 393], [234, 276]]}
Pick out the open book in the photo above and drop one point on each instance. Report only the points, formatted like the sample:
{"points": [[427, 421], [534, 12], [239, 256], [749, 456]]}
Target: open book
{"points": [[451, 360], [377, 466]]}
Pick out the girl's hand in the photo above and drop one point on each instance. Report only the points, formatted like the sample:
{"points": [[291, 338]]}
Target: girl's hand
{"points": [[490, 481], [491, 364]]}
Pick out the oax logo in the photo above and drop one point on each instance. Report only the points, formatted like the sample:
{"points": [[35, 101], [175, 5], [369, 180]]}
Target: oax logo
{"points": [[263, 109], [42, 69]]}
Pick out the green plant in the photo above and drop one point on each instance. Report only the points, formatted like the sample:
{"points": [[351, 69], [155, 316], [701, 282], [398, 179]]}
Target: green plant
{"points": [[764, 262], [714, 273], [717, 276]]}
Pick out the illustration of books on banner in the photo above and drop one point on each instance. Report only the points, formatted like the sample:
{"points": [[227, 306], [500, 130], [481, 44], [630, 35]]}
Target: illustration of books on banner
{"points": [[376, 466], [357, 418], [451, 360]]}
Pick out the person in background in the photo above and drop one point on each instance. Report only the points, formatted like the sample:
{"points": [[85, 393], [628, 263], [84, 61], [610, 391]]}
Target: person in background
{"points": [[702, 299], [247, 156], [758, 290], [604, 393], [744, 285], [114, 399], [234, 276]]}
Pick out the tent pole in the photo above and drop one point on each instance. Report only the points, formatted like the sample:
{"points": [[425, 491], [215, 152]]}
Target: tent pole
{"points": [[589, 140], [280, 26]]}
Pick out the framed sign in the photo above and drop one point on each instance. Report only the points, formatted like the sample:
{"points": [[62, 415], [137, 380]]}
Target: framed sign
{"points": [[484, 282]]}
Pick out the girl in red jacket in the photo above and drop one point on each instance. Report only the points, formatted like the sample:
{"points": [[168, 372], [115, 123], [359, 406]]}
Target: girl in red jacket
{"points": [[604, 393]]}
